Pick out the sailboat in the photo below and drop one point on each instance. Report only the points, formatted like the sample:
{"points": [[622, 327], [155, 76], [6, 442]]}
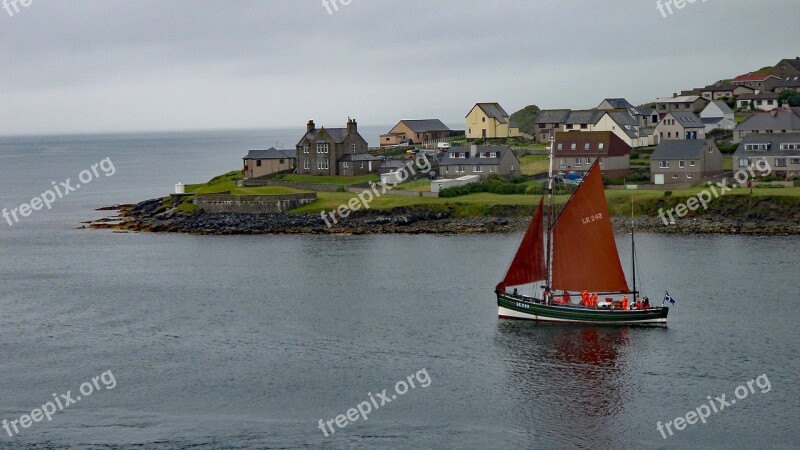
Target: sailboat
{"points": [[572, 254]]}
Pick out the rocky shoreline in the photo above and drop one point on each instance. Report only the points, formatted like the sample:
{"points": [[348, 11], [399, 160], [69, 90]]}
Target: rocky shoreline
{"points": [[151, 216]]}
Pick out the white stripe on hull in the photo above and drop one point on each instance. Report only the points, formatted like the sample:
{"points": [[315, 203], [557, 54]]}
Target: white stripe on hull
{"points": [[505, 312]]}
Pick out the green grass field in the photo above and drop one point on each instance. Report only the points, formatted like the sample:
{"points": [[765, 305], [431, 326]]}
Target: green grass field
{"points": [[534, 164], [337, 180]]}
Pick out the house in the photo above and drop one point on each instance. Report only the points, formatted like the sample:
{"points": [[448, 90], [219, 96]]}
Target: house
{"points": [[577, 151], [724, 90], [415, 132], [260, 163], [764, 101], [781, 120], [718, 115], [787, 83], [548, 122], [614, 103], [755, 81], [647, 117], [481, 160], [787, 68], [680, 125], [690, 103], [489, 120], [334, 151], [781, 152], [685, 161], [623, 124]]}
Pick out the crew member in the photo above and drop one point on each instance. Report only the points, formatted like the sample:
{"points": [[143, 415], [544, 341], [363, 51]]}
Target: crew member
{"points": [[624, 302]]}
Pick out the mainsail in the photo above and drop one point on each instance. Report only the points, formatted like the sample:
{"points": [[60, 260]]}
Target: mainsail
{"points": [[528, 264], [585, 254]]}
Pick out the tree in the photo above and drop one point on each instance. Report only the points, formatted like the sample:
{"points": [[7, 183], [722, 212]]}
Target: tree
{"points": [[790, 97]]}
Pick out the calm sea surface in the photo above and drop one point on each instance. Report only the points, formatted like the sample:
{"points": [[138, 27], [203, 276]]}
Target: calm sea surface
{"points": [[248, 341]]}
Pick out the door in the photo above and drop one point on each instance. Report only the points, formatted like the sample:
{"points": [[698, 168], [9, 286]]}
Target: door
{"points": [[659, 178]]}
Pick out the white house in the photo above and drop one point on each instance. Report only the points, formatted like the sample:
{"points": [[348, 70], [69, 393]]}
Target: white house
{"points": [[717, 115]]}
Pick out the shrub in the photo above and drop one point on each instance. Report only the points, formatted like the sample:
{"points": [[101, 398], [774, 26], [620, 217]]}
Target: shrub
{"points": [[634, 155], [667, 194]]}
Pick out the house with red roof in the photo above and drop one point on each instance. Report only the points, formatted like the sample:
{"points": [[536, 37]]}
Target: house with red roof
{"points": [[758, 82]]}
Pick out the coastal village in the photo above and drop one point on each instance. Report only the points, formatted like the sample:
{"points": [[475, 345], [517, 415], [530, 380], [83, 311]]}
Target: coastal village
{"points": [[657, 151]]}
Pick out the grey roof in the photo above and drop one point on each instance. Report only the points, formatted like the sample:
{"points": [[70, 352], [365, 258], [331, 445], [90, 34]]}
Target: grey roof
{"points": [[337, 134], [759, 96], [777, 119], [678, 99], [618, 103], [271, 153], [687, 119], [395, 163], [775, 139], [494, 110], [512, 124], [423, 125], [720, 87], [794, 62], [448, 160], [552, 116], [712, 120], [722, 106], [643, 111], [789, 82], [585, 116], [679, 149], [359, 157]]}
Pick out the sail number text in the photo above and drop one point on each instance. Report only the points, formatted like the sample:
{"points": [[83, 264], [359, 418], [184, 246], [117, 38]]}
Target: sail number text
{"points": [[592, 218]]}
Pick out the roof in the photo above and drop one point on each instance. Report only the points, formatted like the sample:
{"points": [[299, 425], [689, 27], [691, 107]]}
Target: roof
{"points": [[679, 149], [493, 110], [720, 87], [777, 119], [678, 99], [421, 126], [712, 120], [272, 153], [775, 139], [337, 134], [722, 106], [359, 157], [643, 111], [614, 146], [552, 116], [687, 119], [448, 160], [789, 82], [793, 62], [618, 103], [752, 77], [759, 96], [585, 116]]}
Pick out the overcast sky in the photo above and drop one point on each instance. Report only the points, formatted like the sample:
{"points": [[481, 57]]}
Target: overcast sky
{"points": [[109, 65]]}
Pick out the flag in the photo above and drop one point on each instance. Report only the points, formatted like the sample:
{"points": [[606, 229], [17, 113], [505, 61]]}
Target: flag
{"points": [[668, 298]]}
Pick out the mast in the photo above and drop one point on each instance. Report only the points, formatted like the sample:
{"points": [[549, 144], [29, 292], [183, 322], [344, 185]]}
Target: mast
{"points": [[549, 228], [633, 253]]}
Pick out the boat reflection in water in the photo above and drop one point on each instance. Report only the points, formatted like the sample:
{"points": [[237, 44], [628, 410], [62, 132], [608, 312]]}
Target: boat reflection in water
{"points": [[568, 384]]}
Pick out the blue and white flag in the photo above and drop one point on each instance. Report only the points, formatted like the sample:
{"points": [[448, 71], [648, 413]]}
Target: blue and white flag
{"points": [[668, 298]]}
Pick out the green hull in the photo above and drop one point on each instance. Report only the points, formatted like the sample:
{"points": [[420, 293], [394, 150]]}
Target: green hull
{"points": [[511, 307]]}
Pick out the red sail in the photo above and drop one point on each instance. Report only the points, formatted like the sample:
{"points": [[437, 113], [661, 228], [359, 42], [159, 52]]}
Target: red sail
{"points": [[585, 254], [528, 264]]}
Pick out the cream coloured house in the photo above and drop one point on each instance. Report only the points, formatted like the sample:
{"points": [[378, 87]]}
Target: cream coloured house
{"points": [[489, 120]]}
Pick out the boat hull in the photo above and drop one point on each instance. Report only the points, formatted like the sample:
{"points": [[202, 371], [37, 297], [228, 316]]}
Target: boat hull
{"points": [[511, 307]]}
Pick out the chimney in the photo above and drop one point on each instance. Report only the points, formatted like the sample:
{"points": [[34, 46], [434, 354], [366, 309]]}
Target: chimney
{"points": [[352, 126], [774, 113], [310, 126], [674, 94], [473, 150]]}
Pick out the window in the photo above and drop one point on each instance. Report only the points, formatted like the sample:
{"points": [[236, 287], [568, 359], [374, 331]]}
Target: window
{"points": [[362, 165], [669, 134], [577, 162], [493, 154], [790, 146], [353, 148], [562, 162], [588, 161], [674, 176], [478, 168], [560, 146], [756, 147], [600, 146], [602, 161], [584, 126], [692, 163], [460, 169], [305, 148], [742, 162], [280, 161], [322, 164], [681, 164], [258, 163], [780, 162], [484, 119], [663, 164], [689, 176], [322, 147], [573, 146], [306, 164], [586, 146], [794, 161], [569, 126], [491, 168]]}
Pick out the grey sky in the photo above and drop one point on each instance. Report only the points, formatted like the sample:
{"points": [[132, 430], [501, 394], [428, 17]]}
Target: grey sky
{"points": [[110, 65]]}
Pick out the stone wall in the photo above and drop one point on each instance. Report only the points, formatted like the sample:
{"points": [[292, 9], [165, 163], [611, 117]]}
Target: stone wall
{"points": [[252, 204], [292, 184]]}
